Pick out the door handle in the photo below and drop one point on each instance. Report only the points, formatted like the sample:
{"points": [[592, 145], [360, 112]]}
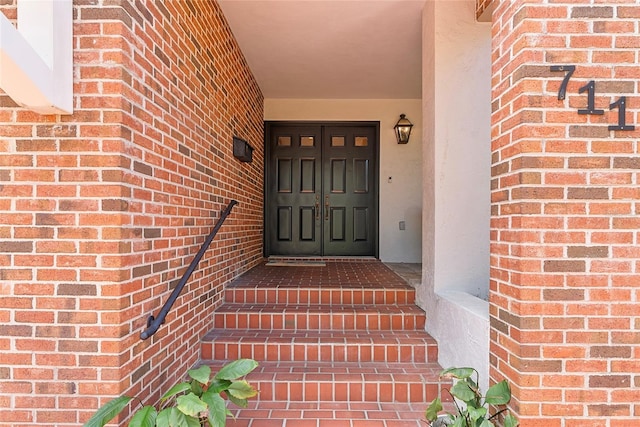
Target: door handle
{"points": [[317, 207], [326, 207]]}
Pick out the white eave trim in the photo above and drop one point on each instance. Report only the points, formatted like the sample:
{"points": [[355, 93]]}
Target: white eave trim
{"points": [[36, 59]]}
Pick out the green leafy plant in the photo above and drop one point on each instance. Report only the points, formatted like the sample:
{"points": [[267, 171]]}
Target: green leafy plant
{"points": [[195, 403], [472, 408]]}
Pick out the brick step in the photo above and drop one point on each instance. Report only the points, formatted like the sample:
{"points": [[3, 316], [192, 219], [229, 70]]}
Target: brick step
{"points": [[340, 345], [345, 294], [319, 317], [314, 345], [330, 414], [346, 381]]}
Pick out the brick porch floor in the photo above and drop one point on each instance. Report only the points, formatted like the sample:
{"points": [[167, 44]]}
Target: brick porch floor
{"points": [[338, 345]]}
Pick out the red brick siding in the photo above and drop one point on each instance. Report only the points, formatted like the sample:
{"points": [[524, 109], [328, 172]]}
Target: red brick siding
{"points": [[102, 211], [564, 228], [482, 5]]}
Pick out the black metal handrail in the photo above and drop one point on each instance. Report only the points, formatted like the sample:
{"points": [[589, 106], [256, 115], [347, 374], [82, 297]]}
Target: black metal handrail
{"points": [[153, 323]]}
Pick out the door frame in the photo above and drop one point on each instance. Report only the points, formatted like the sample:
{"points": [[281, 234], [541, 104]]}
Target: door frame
{"points": [[266, 245]]}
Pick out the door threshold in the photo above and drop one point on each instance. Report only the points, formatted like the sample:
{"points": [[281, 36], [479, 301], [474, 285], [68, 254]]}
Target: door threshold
{"points": [[291, 259], [295, 262]]}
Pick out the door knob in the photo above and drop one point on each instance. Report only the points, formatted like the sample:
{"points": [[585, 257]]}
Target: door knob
{"points": [[317, 207]]}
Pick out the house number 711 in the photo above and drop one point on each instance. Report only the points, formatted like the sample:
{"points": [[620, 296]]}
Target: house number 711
{"points": [[590, 88]]}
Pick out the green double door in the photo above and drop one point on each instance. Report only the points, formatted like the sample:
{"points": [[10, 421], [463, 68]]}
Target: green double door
{"points": [[321, 189]]}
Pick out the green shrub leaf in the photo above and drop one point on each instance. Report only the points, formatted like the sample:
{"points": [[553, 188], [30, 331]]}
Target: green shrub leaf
{"points": [[236, 369], [510, 421], [202, 374], [217, 408], [179, 419], [459, 373], [108, 411], [145, 417], [462, 391], [192, 422], [190, 404], [178, 388], [477, 413], [238, 402], [472, 384], [219, 385], [472, 408], [434, 409], [242, 390], [498, 394], [196, 388], [163, 419]]}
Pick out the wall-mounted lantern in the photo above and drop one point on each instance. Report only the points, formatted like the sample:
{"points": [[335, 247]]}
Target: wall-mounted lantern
{"points": [[403, 129], [242, 150]]}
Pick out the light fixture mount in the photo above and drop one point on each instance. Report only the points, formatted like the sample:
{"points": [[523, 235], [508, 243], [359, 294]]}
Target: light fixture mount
{"points": [[403, 129]]}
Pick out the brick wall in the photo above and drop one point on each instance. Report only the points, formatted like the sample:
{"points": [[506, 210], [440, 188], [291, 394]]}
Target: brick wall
{"points": [[482, 6], [564, 230], [102, 211]]}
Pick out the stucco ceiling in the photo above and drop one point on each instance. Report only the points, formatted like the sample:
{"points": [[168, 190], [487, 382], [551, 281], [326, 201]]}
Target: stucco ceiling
{"points": [[343, 49]]}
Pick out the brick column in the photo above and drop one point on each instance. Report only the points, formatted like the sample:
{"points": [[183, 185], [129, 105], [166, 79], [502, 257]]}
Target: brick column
{"points": [[102, 211], [484, 8], [564, 229]]}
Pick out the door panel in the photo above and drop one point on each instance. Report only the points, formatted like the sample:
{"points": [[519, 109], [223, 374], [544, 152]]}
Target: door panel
{"points": [[350, 195], [292, 186], [337, 224], [338, 175], [360, 224], [285, 176], [307, 224], [308, 175], [360, 176], [284, 224], [321, 194]]}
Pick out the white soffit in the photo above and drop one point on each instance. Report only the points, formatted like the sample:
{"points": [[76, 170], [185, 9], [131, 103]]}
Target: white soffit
{"points": [[335, 49], [36, 59]]}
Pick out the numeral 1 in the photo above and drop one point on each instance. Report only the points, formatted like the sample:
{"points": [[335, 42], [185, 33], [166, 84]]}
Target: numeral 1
{"points": [[591, 99], [562, 92], [621, 103]]}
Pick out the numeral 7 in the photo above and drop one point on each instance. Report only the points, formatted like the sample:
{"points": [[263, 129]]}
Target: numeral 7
{"points": [[569, 69]]}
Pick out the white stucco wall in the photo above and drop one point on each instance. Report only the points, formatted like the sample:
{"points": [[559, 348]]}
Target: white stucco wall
{"points": [[456, 197], [400, 165]]}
